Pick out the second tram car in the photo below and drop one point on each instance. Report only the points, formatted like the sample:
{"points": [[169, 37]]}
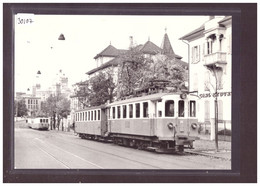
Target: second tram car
{"points": [[41, 123], [164, 122]]}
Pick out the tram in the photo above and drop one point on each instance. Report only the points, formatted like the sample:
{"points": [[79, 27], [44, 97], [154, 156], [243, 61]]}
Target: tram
{"points": [[40, 123], [163, 122]]}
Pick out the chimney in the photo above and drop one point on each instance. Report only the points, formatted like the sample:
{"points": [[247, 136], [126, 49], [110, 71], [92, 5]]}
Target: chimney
{"points": [[211, 17], [131, 42]]}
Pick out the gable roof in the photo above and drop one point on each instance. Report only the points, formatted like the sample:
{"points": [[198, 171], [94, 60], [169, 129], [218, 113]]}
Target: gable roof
{"points": [[191, 34], [150, 48], [109, 51], [112, 62]]}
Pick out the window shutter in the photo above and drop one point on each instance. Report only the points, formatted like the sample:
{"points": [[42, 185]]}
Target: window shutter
{"points": [[198, 53]]}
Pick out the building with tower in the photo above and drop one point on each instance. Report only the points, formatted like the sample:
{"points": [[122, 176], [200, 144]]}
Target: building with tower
{"points": [[109, 58]]}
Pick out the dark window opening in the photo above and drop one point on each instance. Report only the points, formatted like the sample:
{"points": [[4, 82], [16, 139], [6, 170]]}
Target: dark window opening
{"points": [[118, 112], [181, 108], [169, 108], [124, 111], [131, 111], [137, 110], [192, 109], [114, 112], [145, 109]]}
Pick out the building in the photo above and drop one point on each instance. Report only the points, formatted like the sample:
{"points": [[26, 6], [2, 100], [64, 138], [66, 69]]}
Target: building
{"points": [[210, 69], [32, 102], [109, 58]]}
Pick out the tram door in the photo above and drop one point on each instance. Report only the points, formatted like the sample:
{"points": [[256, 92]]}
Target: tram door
{"points": [[182, 113], [104, 124]]}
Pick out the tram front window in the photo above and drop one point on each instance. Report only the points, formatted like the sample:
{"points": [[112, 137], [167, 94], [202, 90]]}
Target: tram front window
{"points": [[169, 108], [181, 108]]}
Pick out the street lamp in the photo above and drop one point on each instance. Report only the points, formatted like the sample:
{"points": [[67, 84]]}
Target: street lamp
{"points": [[61, 37]]}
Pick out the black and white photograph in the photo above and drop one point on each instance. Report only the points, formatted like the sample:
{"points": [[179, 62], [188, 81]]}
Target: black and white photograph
{"points": [[123, 92], [138, 92]]}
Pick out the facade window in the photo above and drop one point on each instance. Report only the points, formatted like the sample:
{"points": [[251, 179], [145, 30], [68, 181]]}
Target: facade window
{"points": [[181, 108], [145, 109], [131, 111], [28, 101], [169, 108], [192, 109], [118, 112], [195, 82], [196, 54], [137, 110], [124, 111]]}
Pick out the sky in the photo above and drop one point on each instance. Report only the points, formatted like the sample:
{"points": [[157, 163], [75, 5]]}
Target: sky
{"points": [[37, 46]]}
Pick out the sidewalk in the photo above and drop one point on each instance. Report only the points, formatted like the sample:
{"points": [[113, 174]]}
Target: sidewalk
{"points": [[208, 148]]}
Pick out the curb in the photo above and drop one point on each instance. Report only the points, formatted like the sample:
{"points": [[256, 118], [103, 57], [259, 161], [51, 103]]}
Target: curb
{"points": [[208, 155]]}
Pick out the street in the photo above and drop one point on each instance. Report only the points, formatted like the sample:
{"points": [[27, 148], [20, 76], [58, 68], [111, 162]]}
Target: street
{"points": [[36, 149]]}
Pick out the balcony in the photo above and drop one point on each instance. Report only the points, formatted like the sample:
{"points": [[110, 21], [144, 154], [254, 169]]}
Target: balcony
{"points": [[215, 58]]}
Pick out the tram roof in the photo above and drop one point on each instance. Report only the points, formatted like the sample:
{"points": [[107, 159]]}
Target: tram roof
{"points": [[151, 97]]}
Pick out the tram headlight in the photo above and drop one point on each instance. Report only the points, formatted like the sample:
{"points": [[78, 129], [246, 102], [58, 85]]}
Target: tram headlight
{"points": [[170, 126], [194, 126]]}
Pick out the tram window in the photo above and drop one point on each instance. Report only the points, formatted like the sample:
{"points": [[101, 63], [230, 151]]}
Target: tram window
{"points": [[46, 120], [43, 120], [40, 120], [192, 109], [95, 115], [169, 108], [118, 112], [181, 108], [98, 114], [108, 113], [91, 115], [131, 111], [145, 109], [124, 111], [137, 110], [114, 112], [86, 116], [83, 116]]}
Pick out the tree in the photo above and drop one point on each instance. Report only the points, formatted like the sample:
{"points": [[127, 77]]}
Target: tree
{"points": [[215, 84], [20, 108], [56, 106], [96, 91], [136, 71], [133, 72]]}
